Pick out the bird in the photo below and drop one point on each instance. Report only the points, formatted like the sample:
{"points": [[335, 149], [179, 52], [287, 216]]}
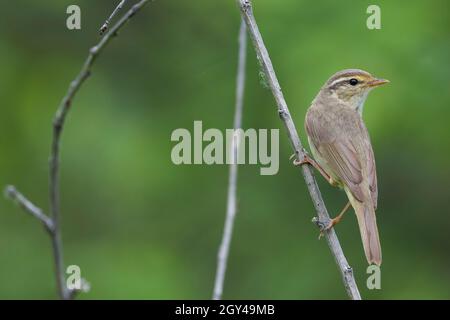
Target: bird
{"points": [[342, 151]]}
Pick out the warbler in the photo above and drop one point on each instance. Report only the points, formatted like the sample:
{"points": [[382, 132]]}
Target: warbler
{"points": [[341, 147]]}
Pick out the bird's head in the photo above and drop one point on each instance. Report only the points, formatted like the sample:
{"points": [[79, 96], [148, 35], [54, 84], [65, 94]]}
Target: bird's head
{"points": [[352, 86]]}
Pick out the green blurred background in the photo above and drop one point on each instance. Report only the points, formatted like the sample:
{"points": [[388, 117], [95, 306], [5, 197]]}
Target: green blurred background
{"points": [[141, 227]]}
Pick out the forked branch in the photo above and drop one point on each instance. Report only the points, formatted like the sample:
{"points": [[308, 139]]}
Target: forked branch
{"points": [[52, 222], [14, 195]]}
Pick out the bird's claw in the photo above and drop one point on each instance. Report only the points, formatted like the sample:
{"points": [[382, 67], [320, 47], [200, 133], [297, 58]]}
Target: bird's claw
{"points": [[305, 160], [323, 226], [297, 162]]}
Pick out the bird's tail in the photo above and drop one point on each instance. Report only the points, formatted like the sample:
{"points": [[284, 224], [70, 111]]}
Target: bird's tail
{"points": [[367, 221]]}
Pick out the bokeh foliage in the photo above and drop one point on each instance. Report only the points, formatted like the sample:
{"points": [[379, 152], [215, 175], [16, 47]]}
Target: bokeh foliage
{"points": [[141, 227]]}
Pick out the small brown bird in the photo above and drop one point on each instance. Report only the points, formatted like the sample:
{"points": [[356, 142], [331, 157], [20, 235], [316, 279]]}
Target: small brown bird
{"points": [[341, 145]]}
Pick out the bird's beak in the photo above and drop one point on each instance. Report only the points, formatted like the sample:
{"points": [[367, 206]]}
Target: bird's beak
{"points": [[377, 82]]}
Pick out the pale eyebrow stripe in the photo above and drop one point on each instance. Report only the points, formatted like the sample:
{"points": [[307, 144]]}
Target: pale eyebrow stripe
{"points": [[340, 80], [348, 76]]}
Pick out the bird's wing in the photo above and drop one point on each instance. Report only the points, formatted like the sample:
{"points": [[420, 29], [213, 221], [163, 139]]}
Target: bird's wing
{"points": [[343, 142], [370, 165]]}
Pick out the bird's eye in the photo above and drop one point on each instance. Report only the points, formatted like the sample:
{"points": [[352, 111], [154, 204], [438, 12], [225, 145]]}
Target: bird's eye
{"points": [[353, 81]]}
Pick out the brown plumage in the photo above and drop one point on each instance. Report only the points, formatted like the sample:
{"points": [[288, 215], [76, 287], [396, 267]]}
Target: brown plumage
{"points": [[341, 145]]}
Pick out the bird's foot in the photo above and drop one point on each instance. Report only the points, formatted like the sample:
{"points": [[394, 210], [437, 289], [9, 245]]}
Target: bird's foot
{"points": [[325, 225], [322, 225], [306, 159]]}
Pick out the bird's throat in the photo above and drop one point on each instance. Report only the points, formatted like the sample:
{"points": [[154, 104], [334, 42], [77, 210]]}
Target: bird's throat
{"points": [[359, 102]]}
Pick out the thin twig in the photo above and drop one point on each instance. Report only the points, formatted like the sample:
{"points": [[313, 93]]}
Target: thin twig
{"points": [[224, 249], [105, 26], [12, 193], [283, 111], [53, 223]]}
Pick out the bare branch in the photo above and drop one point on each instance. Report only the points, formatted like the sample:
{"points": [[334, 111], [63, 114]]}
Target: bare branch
{"points": [[105, 26], [283, 111], [53, 224], [58, 124], [224, 249], [12, 193]]}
